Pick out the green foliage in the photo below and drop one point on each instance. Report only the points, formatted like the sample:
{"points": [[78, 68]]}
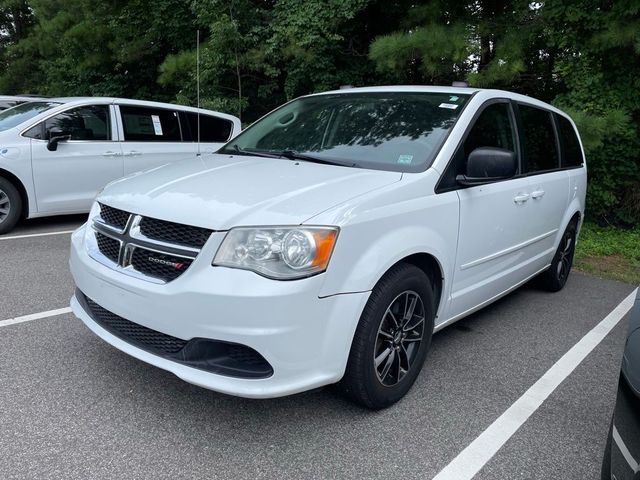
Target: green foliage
{"points": [[609, 252], [582, 55]]}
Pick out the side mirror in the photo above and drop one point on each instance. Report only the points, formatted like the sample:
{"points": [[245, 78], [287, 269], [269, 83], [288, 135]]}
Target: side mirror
{"points": [[56, 136], [488, 164]]}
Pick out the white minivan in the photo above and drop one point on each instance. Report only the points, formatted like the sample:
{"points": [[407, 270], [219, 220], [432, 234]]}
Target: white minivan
{"points": [[331, 239], [56, 154]]}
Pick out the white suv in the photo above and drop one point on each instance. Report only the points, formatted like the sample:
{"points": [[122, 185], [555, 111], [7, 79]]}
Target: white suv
{"points": [[332, 238], [56, 154]]}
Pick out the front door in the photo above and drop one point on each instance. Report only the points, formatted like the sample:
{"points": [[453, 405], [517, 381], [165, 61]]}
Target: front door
{"points": [[493, 251], [68, 178]]}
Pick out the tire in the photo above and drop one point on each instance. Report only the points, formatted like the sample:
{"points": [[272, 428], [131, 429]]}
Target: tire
{"points": [[605, 472], [388, 334], [555, 277], [10, 206]]}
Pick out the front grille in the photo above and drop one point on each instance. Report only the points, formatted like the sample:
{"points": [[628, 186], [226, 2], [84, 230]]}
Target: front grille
{"points": [[114, 217], [166, 267], [108, 246], [155, 250], [185, 235], [140, 336]]}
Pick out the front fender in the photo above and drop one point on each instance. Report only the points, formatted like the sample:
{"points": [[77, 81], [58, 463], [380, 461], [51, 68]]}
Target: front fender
{"points": [[378, 238]]}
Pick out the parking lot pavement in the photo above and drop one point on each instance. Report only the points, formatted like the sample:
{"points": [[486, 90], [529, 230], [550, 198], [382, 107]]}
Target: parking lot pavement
{"points": [[71, 406], [47, 225]]}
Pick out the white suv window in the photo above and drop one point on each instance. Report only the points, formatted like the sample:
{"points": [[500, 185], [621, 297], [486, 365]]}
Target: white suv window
{"points": [[83, 123], [145, 124]]}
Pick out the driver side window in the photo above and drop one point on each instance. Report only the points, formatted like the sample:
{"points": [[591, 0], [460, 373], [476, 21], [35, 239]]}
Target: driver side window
{"points": [[82, 123], [492, 129]]}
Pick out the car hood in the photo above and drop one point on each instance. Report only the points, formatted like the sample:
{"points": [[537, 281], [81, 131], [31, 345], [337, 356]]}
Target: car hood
{"points": [[223, 191]]}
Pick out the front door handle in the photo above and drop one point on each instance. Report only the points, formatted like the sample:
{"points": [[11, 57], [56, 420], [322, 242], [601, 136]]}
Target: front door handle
{"points": [[521, 198], [111, 154], [132, 153], [537, 194]]}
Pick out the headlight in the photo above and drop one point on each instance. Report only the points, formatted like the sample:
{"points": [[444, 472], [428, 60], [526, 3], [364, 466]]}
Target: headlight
{"points": [[282, 253]]}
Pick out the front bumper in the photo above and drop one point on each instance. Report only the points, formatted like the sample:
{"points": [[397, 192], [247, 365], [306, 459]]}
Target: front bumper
{"points": [[304, 338]]}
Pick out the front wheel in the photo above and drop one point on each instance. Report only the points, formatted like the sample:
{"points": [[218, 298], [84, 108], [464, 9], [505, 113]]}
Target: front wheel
{"points": [[392, 339], [556, 276], [10, 206]]}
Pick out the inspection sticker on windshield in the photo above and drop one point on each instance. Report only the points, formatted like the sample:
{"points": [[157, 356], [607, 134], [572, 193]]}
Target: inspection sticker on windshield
{"points": [[405, 159], [157, 127], [450, 106]]}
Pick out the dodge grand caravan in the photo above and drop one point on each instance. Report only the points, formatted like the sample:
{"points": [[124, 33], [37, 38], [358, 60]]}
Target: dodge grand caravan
{"points": [[331, 239], [55, 154]]}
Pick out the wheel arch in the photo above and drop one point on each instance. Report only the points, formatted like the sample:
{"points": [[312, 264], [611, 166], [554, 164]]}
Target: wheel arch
{"points": [[432, 268], [573, 213], [21, 189]]}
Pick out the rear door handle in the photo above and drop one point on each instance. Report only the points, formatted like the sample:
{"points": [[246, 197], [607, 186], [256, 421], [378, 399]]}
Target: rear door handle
{"points": [[111, 154], [537, 194], [521, 198], [132, 153]]}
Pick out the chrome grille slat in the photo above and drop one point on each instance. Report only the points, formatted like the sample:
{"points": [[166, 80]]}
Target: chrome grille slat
{"points": [[133, 253]]}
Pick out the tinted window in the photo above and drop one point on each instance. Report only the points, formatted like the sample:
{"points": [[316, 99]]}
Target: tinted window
{"points": [[5, 105], [492, 129], [571, 152], [212, 129], [82, 123], [35, 132], [15, 116], [540, 149], [400, 131], [150, 124]]}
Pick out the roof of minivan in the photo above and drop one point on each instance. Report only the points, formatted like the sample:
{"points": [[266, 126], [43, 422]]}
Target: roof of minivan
{"points": [[487, 93], [109, 100]]}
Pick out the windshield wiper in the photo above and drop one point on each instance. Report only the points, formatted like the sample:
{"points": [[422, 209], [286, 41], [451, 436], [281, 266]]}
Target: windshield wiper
{"points": [[293, 155], [242, 151]]}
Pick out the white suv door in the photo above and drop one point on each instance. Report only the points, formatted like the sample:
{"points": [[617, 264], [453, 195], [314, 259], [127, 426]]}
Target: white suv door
{"points": [[151, 137], [549, 184], [68, 178], [493, 235]]}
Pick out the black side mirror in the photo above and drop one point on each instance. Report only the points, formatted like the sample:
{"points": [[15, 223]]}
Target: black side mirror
{"points": [[56, 136], [488, 164]]}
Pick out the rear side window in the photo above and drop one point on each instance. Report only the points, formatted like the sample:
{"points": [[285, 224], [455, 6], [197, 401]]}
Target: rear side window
{"points": [[571, 151], [212, 129], [144, 124], [82, 123], [540, 148]]}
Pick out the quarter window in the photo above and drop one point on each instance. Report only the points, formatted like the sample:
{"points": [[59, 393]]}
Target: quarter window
{"points": [[145, 124], [212, 129], [571, 151], [82, 123], [540, 148]]}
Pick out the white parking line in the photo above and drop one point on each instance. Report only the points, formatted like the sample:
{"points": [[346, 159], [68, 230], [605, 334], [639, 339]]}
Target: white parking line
{"points": [[624, 450], [31, 235], [35, 316], [471, 460]]}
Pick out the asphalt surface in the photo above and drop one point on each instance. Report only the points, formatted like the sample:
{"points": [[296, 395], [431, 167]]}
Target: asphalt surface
{"points": [[71, 406]]}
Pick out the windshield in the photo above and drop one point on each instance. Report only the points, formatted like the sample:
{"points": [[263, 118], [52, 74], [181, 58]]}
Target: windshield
{"points": [[382, 130], [13, 117]]}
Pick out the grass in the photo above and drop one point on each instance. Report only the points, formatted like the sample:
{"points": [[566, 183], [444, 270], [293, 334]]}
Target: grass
{"points": [[609, 252]]}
